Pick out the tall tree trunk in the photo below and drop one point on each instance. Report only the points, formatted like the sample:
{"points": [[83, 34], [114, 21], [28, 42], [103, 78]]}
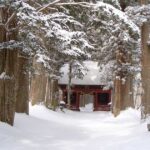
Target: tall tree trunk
{"points": [[69, 85], [123, 95], [123, 4], [117, 97], [48, 93], [38, 84], [7, 86], [54, 94], [8, 65], [2, 66], [145, 69], [143, 2], [22, 96], [123, 88], [127, 93]]}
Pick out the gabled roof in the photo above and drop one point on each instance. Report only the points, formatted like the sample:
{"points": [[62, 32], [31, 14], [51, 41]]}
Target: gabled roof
{"points": [[91, 78]]}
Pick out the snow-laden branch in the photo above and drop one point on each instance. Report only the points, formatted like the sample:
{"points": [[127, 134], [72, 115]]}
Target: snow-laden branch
{"points": [[58, 3], [10, 45], [139, 14], [4, 76], [84, 4]]}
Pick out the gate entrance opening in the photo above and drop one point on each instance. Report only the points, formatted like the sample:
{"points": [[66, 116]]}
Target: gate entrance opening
{"points": [[88, 98]]}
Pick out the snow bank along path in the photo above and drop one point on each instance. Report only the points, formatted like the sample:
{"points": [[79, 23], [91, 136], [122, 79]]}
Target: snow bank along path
{"points": [[48, 130]]}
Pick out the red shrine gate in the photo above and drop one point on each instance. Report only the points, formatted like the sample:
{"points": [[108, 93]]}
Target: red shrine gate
{"points": [[85, 94]]}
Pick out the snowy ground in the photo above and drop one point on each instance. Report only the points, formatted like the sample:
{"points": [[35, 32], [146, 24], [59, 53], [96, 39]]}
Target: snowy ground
{"points": [[47, 130]]}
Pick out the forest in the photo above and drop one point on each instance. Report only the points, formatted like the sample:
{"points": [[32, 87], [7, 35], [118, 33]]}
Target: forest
{"points": [[37, 37]]}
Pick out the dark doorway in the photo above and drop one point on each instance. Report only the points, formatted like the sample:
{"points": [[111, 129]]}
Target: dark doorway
{"points": [[73, 97], [103, 98]]}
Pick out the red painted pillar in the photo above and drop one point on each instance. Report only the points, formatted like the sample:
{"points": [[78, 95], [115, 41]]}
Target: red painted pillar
{"points": [[95, 101], [110, 105], [78, 100], [109, 96], [63, 95]]}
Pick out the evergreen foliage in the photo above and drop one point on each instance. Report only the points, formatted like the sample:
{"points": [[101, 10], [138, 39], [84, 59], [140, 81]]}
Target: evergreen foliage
{"points": [[111, 32], [74, 31]]}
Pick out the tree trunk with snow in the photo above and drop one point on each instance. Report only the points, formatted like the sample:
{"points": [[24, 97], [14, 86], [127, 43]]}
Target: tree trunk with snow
{"points": [[22, 95], [123, 92], [7, 86], [8, 65], [123, 95], [145, 69]]}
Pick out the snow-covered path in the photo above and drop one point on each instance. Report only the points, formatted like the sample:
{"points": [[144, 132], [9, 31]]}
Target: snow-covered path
{"points": [[47, 130]]}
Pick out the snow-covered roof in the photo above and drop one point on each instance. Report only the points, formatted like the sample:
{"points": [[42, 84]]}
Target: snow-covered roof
{"points": [[91, 78]]}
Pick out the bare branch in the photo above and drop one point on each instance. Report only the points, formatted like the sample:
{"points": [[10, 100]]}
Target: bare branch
{"points": [[48, 5], [52, 8], [58, 3], [10, 19], [84, 4]]}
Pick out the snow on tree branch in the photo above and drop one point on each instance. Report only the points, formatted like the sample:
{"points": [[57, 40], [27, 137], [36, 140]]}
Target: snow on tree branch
{"points": [[51, 35], [139, 14], [112, 33], [10, 45], [78, 30]]}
